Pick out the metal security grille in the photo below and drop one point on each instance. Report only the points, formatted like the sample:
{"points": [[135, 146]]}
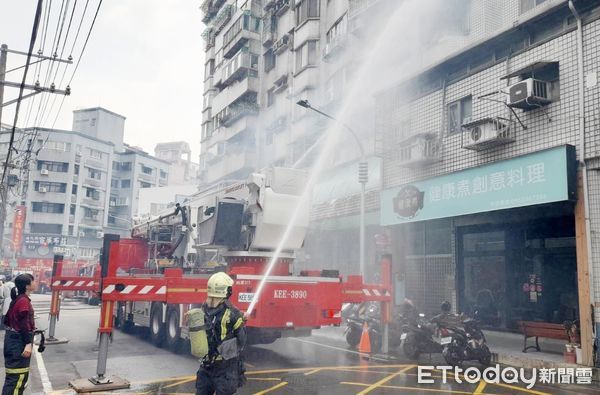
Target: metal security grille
{"points": [[430, 281]]}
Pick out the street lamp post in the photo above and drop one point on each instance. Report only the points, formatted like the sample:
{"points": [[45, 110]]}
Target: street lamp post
{"points": [[363, 178]]}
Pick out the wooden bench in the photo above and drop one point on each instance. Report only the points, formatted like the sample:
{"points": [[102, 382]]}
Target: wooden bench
{"points": [[541, 329]]}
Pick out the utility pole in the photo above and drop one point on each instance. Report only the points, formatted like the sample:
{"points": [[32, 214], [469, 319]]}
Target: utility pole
{"points": [[4, 185]]}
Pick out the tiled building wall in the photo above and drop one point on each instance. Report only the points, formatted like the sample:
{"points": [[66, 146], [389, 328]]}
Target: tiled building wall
{"points": [[591, 34], [428, 114]]}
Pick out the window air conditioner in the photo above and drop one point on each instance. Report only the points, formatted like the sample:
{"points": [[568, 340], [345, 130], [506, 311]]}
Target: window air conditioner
{"points": [[99, 234], [529, 94], [44, 172], [43, 190]]}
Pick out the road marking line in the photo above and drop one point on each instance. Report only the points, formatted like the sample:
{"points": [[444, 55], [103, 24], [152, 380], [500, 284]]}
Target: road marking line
{"points": [[312, 372], [254, 372], [418, 389], [367, 370], [46, 384], [187, 380], [338, 348], [264, 378], [273, 388], [385, 380], [480, 387]]}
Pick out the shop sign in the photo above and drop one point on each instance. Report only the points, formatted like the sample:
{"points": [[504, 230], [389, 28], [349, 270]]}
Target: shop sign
{"points": [[541, 177], [48, 240], [18, 225]]}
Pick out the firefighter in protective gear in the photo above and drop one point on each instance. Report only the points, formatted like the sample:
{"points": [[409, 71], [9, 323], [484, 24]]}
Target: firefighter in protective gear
{"points": [[18, 339], [222, 369]]}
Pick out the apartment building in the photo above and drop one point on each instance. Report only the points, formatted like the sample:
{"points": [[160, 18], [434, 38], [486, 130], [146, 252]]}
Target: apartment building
{"points": [[183, 170], [73, 186], [489, 160]]}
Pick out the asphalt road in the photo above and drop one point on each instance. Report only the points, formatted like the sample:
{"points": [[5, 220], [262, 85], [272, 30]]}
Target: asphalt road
{"points": [[320, 364]]}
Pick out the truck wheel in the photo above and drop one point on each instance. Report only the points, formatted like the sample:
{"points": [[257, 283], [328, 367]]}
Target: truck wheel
{"points": [[157, 327], [173, 329]]}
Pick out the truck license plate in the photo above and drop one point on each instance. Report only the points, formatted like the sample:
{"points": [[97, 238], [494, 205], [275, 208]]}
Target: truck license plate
{"points": [[403, 336], [245, 297]]}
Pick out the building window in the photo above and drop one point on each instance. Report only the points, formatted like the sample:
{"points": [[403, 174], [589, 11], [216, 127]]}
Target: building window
{"points": [[528, 5], [270, 60], [90, 213], [74, 189], [92, 193], [72, 209], [146, 169], [50, 186], [270, 97], [125, 183], [54, 229], [57, 146], [305, 10], [95, 174], [60, 167], [306, 55], [76, 167], [459, 113], [95, 154], [71, 230], [163, 174], [145, 184], [111, 219], [45, 207], [209, 69], [114, 183]]}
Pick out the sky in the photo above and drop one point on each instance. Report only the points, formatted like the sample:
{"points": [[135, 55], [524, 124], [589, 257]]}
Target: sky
{"points": [[144, 60]]}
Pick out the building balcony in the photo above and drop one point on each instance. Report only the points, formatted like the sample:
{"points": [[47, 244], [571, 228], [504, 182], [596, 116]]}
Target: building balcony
{"points": [[281, 44], [230, 163], [146, 177], [238, 41], [334, 48], [240, 66], [207, 114], [86, 201], [418, 151], [92, 182], [234, 92], [237, 111], [357, 7], [222, 17], [306, 79], [45, 218], [210, 9], [93, 221], [95, 164], [209, 84]]}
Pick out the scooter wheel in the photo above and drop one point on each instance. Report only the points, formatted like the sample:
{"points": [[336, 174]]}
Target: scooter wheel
{"points": [[353, 337], [485, 355], [452, 356], [411, 347]]}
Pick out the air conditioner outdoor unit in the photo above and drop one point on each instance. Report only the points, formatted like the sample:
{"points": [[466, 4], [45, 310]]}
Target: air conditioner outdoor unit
{"points": [[281, 44], [81, 234], [44, 172], [43, 190], [99, 234], [486, 133], [529, 94]]}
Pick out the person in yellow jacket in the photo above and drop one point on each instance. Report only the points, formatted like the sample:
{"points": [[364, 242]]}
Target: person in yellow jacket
{"points": [[221, 370]]}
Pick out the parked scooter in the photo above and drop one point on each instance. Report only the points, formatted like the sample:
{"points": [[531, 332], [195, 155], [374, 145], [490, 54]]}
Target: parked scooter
{"points": [[356, 317], [468, 344], [419, 335]]}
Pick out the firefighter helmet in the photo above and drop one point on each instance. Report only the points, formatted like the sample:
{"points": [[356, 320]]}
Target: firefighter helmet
{"points": [[219, 285]]}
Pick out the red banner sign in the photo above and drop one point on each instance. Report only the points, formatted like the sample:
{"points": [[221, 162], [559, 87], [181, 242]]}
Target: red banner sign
{"points": [[18, 225]]}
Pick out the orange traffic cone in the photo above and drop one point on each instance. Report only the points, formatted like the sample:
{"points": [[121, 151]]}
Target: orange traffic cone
{"points": [[365, 341]]}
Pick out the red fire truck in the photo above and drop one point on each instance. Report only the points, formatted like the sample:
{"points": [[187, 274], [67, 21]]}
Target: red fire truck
{"points": [[154, 278]]}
